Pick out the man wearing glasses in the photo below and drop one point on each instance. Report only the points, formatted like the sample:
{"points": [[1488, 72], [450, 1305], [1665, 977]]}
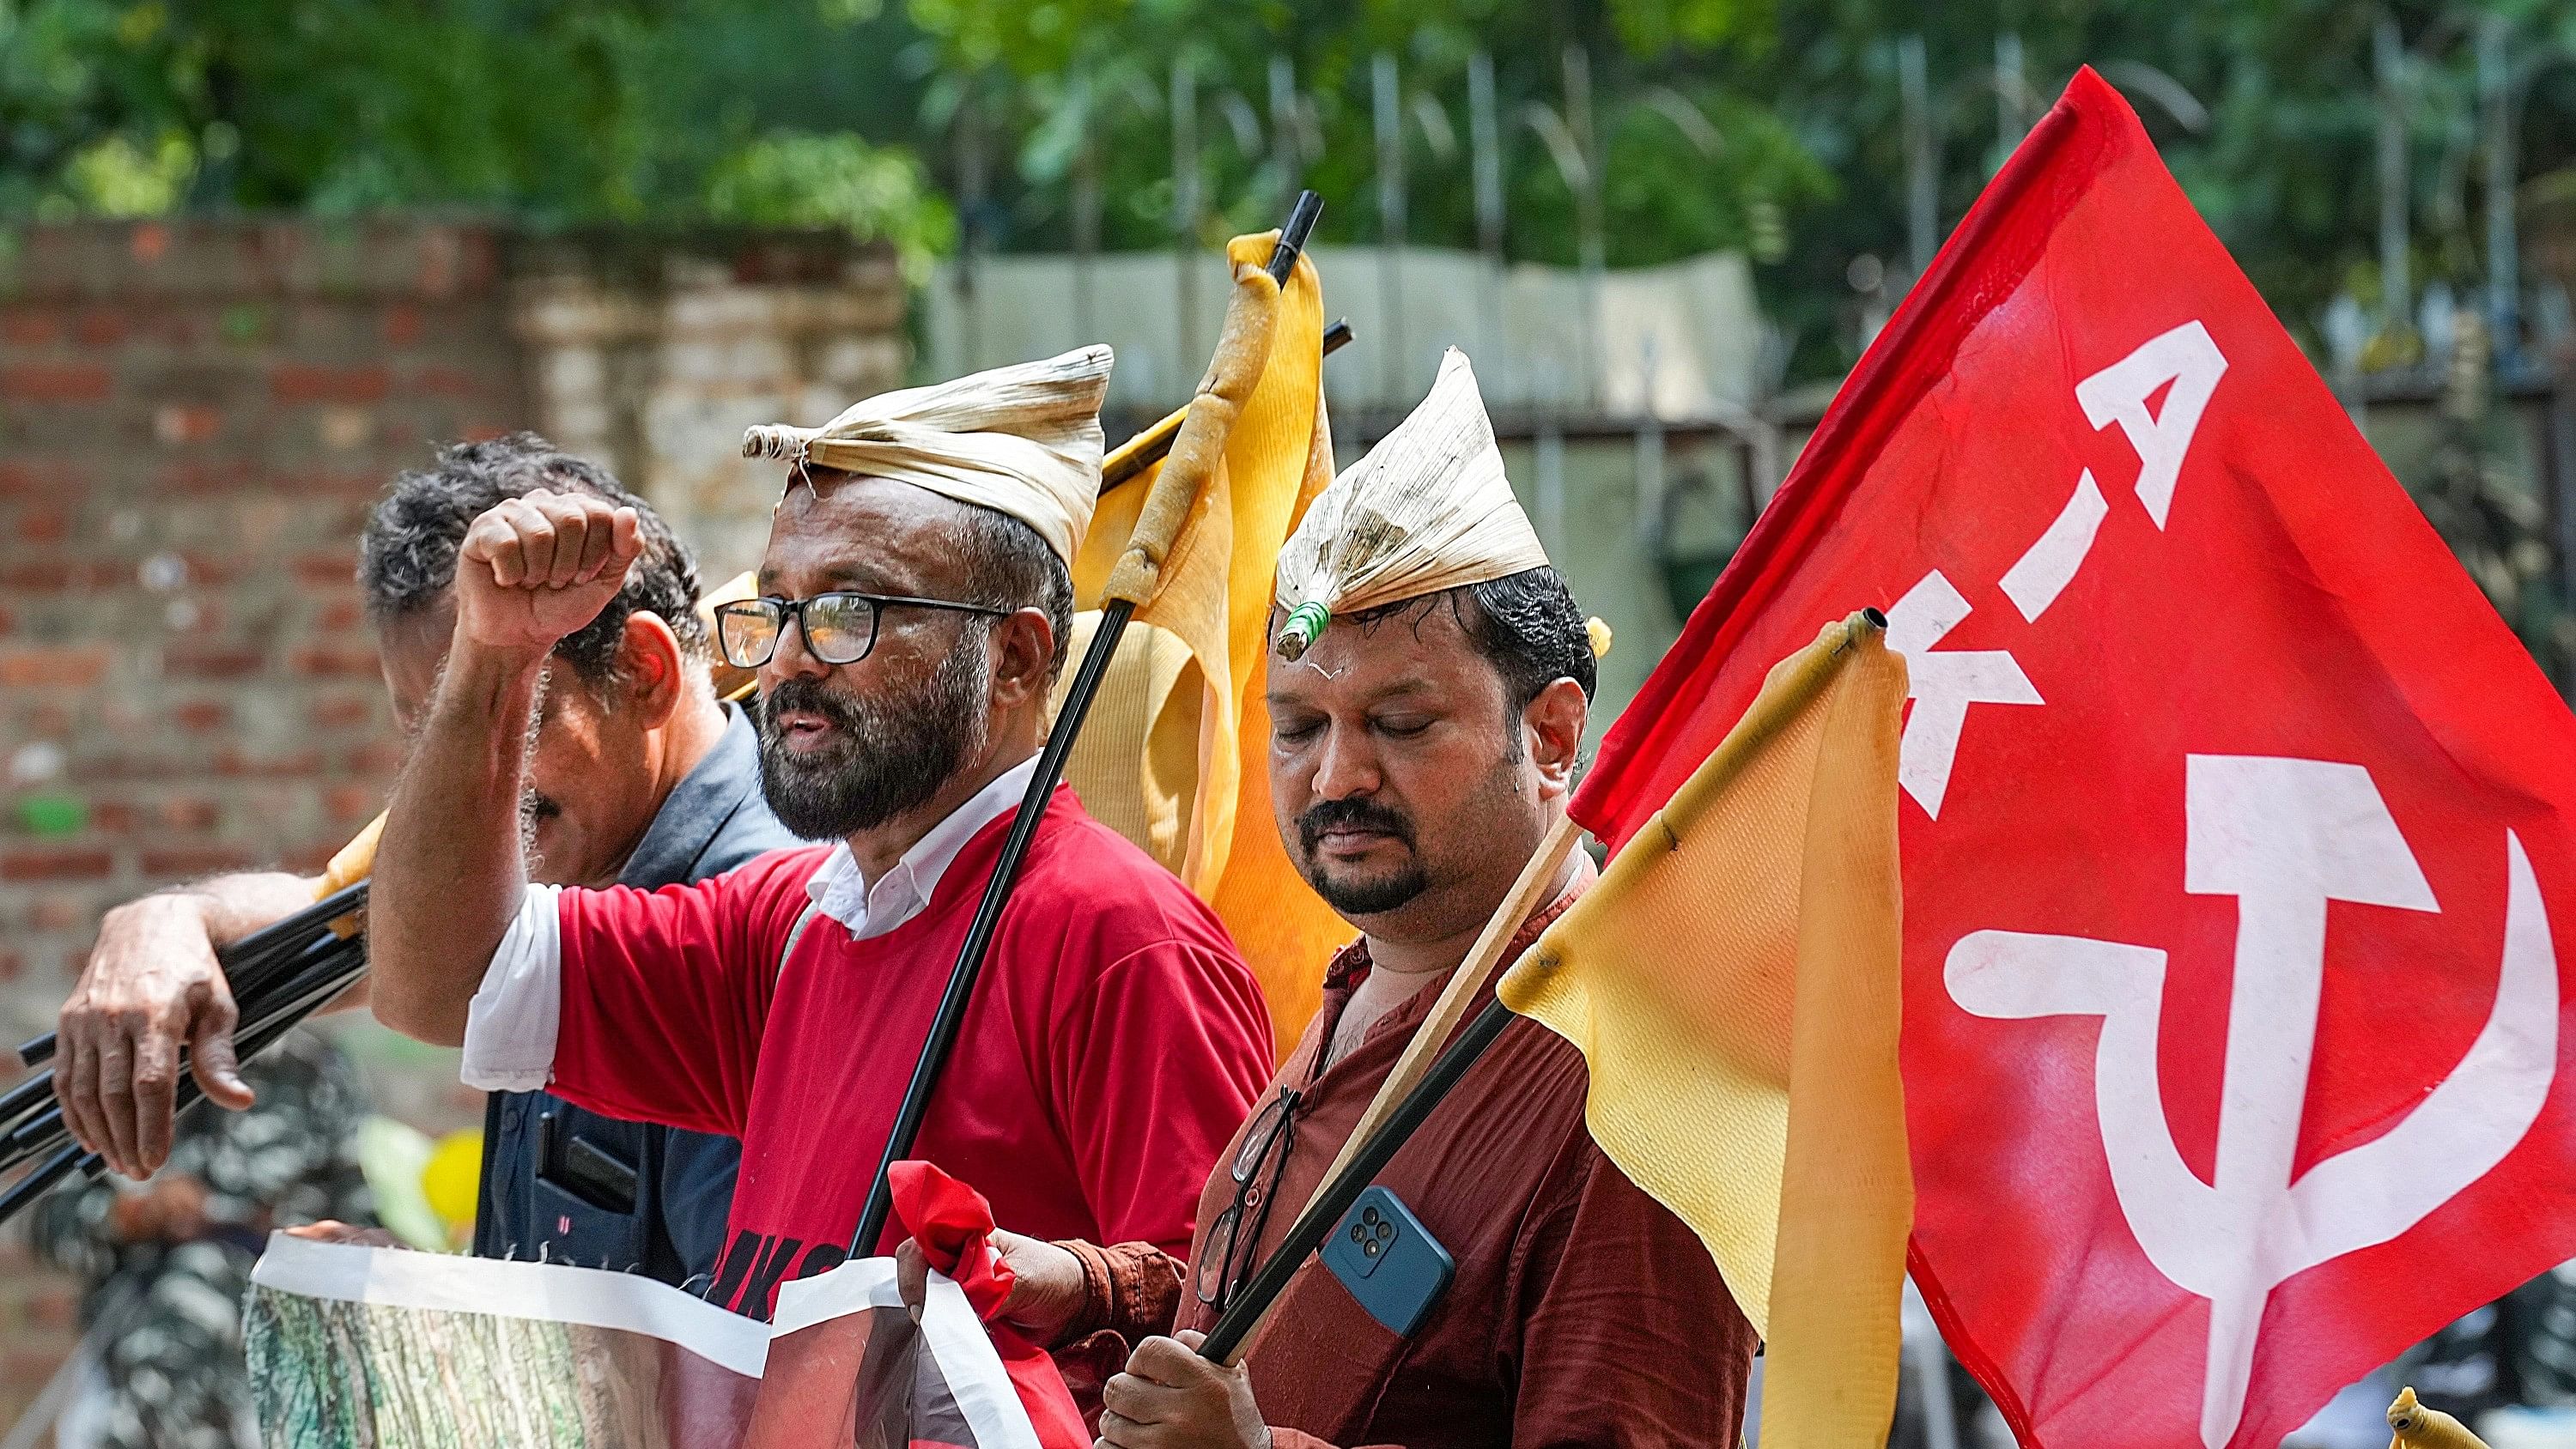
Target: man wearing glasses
{"points": [[1423, 744], [915, 604]]}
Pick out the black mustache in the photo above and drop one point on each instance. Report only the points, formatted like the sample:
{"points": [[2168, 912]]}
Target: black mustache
{"points": [[806, 696], [1355, 813]]}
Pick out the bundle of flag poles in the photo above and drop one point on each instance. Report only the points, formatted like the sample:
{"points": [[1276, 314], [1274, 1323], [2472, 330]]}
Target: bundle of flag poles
{"points": [[280, 975]]}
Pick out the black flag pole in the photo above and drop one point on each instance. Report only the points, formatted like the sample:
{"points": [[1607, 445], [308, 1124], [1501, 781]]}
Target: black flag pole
{"points": [[1260, 1292], [950, 1018], [248, 962], [322, 971]]}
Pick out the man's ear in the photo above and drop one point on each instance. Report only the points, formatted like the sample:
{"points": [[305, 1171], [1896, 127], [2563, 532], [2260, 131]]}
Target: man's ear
{"points": [[1553, 727], [649, 661], [1023, 650]]}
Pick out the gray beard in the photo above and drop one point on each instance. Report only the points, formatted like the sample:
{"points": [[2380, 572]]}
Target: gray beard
{"points": [[893, 754]]}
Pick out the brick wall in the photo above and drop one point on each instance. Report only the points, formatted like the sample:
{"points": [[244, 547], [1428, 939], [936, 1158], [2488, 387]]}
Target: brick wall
{"points": [[661, 362], [193, 422], [195, 418]]}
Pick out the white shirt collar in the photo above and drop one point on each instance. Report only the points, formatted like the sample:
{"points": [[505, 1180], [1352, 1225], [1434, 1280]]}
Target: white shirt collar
{"points": [[904, 892]]}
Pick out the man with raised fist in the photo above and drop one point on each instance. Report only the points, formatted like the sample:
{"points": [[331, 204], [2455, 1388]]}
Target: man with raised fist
{"points": [[915, 603]]}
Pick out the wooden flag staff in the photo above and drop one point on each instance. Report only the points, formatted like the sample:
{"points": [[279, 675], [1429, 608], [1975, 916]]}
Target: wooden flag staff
{"points": [[1164, 513], [1419, 1079], [1527, 894]]}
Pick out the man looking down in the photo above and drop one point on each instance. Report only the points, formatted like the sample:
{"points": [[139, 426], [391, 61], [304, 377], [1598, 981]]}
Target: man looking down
{"points": [[1424, 741], [915, 601], [637, 774]]}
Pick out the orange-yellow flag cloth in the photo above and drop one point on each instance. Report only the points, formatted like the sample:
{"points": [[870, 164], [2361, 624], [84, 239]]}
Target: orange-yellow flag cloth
{"points": [[1733, 983], [1173, 754]]}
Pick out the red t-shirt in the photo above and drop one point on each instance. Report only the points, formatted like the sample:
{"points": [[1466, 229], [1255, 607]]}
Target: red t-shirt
{"points": [[1114, 1043]]}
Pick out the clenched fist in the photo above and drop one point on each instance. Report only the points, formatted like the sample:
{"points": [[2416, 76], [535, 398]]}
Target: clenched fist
{"points": [[539, 567]]}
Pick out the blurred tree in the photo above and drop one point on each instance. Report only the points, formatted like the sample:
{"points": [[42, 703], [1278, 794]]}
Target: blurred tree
{"points": [[628, 110], [1773, 126], [836, 180]]}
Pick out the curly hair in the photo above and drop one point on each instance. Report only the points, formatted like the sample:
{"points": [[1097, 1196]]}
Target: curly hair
{"points": [[1527, 626], [1530, 627], [407, 557]]}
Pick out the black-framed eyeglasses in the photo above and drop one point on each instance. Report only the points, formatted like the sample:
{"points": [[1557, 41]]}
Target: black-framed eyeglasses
{"points": [[840, 627], [1227, 1258]]}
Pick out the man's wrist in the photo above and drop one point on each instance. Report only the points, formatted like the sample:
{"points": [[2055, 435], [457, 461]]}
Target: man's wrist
{"points": [[176, 908], [192, 899], [223, 908], [483, 666]]}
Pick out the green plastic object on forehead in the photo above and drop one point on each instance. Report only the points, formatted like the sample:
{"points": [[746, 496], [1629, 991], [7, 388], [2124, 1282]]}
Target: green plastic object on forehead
{"points": [[1306, 624]]}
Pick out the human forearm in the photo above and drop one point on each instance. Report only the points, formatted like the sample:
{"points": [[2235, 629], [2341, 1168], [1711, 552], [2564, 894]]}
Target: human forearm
{"points": [[228, 908], [449, 873], [1130, 1289], [234, 906], [231, 907]]}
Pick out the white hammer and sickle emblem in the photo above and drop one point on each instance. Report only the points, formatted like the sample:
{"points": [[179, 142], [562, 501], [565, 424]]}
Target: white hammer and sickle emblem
{"points": [[2283, 836]]}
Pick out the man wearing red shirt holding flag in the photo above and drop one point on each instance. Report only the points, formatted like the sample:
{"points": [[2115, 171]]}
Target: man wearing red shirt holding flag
{"points": [[2235, 826], [915, 605]]}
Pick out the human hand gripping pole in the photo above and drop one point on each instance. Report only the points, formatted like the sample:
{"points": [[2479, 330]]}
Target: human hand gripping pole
{"points": [[282, 974], [1419, 1079], [264, 975], [1196, 449]]}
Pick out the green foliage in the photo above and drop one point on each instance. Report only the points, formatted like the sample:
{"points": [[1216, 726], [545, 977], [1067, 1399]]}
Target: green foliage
{"points": [[614, 110], [1773, 126], [839, 180]]}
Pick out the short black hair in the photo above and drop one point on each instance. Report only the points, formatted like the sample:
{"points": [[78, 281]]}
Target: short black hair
{"points": [[1526, 624], [1008, 566], [407, 557], [1530, 627]]}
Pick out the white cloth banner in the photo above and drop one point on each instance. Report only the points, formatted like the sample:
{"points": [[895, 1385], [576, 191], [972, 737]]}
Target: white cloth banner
{"points": [[384, 1348]]}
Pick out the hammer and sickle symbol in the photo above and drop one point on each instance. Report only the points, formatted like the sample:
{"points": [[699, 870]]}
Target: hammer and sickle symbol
{"points": [[2283, 836]]}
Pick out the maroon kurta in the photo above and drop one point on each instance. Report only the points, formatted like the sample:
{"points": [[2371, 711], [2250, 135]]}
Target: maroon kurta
{"points": [[1582, 1313]]}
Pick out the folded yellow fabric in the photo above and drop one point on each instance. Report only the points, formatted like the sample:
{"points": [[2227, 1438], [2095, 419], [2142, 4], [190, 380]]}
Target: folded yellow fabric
{"points": [[1172, 755], [1733, 984]]}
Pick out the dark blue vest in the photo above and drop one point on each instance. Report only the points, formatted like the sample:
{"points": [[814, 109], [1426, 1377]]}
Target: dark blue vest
{"points": [[563, 1185]]}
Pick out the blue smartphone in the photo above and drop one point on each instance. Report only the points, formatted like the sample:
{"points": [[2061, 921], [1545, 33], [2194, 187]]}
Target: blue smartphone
{"points": [[1389, 1261]]}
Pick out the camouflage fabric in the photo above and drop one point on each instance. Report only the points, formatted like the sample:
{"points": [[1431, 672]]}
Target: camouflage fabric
{"points": [[173, 1354]]}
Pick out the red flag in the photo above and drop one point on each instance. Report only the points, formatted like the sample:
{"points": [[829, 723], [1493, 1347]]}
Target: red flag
{"points": [[2236, 825]]}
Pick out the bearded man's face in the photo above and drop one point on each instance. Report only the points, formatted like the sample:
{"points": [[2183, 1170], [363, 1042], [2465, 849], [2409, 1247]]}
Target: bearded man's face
{"points": [[835, 761], [848, 747], [1404, 789]]}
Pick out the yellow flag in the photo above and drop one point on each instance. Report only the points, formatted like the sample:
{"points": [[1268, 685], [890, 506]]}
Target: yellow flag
{"points": [[1174, 753], [1732, 982]]}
